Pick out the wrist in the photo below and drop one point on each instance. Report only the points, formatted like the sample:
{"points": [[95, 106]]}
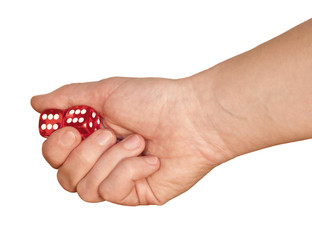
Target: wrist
{"points": [[235, 122], [199, 102], [243, 115]]}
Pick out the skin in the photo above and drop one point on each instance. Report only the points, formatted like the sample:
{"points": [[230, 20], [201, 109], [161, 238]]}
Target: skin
{"points": [[175, 131]]}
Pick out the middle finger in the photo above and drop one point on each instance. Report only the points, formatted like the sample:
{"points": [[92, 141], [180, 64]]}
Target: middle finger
{"points": [[83, 157]]}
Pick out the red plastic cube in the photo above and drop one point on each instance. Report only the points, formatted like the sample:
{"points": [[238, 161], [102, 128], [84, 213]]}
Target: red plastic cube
{"points": [[85, 119], [50, 120]]}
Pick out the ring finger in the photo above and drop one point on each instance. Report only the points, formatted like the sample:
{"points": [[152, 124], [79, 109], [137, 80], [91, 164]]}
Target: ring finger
{"points": [[131, 146]]}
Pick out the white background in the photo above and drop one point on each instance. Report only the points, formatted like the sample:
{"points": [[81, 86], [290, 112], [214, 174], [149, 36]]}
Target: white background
{"points": [[46, 44]]}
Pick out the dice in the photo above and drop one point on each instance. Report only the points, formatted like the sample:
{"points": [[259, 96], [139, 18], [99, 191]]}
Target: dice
{"points": [[50, 120], [84, 118]]}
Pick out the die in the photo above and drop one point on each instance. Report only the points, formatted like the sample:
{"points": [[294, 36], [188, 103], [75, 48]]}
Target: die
{"points": [[49, 121], [84, 118]]}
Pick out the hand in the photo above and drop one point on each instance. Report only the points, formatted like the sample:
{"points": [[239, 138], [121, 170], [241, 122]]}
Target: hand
{"points": [[169, 116], [255, 100]]}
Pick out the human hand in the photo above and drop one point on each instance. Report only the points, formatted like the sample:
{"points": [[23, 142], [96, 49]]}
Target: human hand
{"points": [[166, 113], [255, 100]]}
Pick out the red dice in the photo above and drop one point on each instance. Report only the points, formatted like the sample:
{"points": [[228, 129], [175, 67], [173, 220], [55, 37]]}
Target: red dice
{"points": [[85, 119]]}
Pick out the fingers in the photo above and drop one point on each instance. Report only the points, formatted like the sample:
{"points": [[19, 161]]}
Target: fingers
{"points": [[99, 169], [81, 159], [86, 164], [58, 146], [120, 186], [131, 146]]}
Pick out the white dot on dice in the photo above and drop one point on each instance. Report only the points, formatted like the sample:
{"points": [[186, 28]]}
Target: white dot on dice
{"points": [[93, 114], [90, 124], [56, 116], [83, 111], [75, 120], [55, 126], [44, 116], [77, 111], [81, 120], [98, 121], [72, 111], [49, 127], [43, 126], [69, 120], [50, 116]]}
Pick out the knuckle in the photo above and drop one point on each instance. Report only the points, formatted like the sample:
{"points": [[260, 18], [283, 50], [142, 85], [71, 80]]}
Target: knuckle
{"points": [[87, 192], [160, 203], [113, 78], [83, 193], [66, 181], [110, 194], [66, 86], [126, 167], [84, 197], [48, 156], [105, 192]]}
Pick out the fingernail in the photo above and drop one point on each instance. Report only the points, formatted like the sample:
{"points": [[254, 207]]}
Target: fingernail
{"points": [[151, 160], [68, 138], [103, 137], [132, 142]]}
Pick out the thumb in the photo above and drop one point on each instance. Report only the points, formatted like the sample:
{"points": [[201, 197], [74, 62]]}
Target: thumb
{"points": [[92, 94]]}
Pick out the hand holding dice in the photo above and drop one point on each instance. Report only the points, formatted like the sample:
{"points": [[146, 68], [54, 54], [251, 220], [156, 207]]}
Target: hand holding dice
{"points": [[85, 119]]}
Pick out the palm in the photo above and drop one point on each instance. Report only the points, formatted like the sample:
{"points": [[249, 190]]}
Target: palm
{"points": [[155, 109]]}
